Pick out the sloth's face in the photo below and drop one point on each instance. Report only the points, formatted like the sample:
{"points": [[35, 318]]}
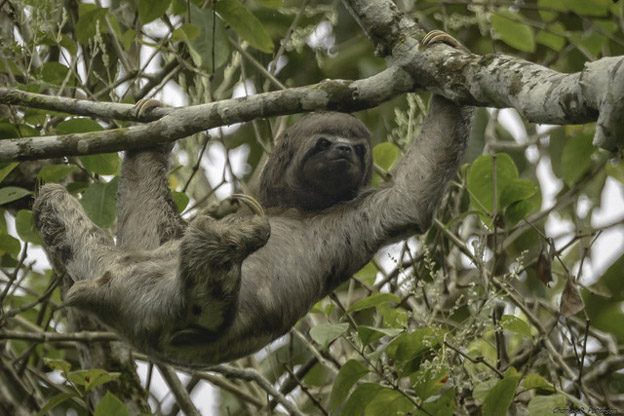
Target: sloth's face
{"points": [[335, 166]]}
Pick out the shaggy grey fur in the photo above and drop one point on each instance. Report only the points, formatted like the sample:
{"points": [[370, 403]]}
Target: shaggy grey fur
{"points": [[218, 290]]}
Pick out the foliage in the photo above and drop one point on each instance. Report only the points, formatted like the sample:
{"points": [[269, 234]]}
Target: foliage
{"points": [[495, 309]]}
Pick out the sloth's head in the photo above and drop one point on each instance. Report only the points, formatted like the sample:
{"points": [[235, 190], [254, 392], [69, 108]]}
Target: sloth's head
{"points": [[322, 159]]}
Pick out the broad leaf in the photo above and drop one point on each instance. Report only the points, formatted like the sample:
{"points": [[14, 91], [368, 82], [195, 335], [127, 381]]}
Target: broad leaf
{"points": [[346, 378], [509, 28], [152, 9], [499, 398], [12, 193], [99, 202], [25, 227], [111, 405], [374, 300], [326, 333], [516, 325], [245, 24]]}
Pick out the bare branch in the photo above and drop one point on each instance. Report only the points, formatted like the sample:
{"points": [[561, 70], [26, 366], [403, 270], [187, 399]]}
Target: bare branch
{"points": [[83, 336], [252, 375], [177, 388]]}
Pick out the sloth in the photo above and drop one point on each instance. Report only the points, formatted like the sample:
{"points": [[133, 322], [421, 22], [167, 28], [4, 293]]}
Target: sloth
{"points": [[214, 291], [323, 159]]}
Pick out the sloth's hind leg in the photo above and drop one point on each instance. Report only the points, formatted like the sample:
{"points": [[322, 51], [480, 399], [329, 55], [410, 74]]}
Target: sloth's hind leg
{"points": [[73, 243], [211, 254]]}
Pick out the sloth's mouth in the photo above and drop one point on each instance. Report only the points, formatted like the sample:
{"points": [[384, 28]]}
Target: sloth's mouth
{"points": [[341, 158]]}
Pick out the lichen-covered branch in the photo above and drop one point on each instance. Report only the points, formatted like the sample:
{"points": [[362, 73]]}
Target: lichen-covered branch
{"points": [[338, 95], [540, 94]]}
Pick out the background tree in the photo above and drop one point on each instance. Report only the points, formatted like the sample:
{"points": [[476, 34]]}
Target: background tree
{"points": [[513, 299]]}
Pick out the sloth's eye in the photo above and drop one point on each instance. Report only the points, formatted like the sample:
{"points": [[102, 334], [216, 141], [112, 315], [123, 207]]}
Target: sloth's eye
{"points": [[360, 150], [322, 143]]}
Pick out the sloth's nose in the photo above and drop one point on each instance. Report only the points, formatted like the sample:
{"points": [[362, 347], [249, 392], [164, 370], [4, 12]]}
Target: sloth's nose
{"points": [[343, 148]]}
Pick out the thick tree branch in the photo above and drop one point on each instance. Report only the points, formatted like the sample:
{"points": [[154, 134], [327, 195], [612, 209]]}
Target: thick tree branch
{"points": [[539, 94], [178, 123]]}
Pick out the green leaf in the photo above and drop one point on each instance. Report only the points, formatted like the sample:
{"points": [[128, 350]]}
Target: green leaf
{"points": [[111, 405], [389, 402], [245, 24], [180, 199], [393, 317], [128, 38], [207, 51], [385, 155], [374, 300], [592, 42], [346, 378], [102, 164], [521, 209], [359, 399], [367, 274], [509, 28], [92, 378], [78, 125], [272, 4], [535, 381], [499, 398], [429, 380], [25, 227], [54, 72], [152, 9], [516, 325], [8, 130], [90, 19], [4, 172], [370, 334], [480, 182], [323, 334], [55, 401], [99, 202], [548, 8], [589, 7], [69, 44], [411, 345], [57, 364], [12, 193], [9, 245], [56, 173], [553, 37], [444, 405], [186, 32], [547, 405], [576, 158], [517, 190]]}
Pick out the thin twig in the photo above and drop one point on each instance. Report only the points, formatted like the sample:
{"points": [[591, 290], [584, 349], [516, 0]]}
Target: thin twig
{"points": [[253, 375], [179, 391]]}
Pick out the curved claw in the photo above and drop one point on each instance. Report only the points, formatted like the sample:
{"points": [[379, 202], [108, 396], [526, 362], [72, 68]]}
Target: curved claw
{"points": [[251, 202], [145, 105], [438, 36]]}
